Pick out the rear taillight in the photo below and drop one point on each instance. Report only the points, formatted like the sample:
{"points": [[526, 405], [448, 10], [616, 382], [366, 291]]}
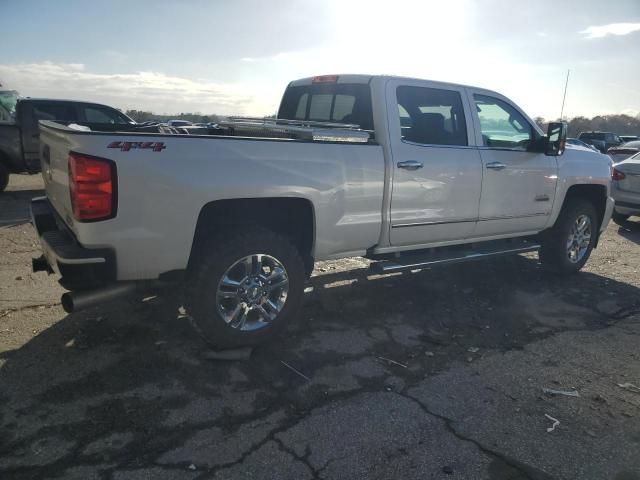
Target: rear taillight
{"points": [[92, 189], [617, 175]]}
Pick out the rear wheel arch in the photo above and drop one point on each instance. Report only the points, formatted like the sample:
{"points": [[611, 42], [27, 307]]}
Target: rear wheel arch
{"points": [[293, 217]]}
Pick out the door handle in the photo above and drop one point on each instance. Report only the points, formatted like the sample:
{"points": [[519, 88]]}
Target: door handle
{"points": [[496, 166], [410, 165]]}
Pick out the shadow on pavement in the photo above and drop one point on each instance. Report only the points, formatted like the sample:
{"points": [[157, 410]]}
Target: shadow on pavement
{"points": [[15, 206], [631, 230], [124, 386]]}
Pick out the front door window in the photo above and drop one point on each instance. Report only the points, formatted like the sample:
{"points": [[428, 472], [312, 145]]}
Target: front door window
{"points": [[502, 126]]}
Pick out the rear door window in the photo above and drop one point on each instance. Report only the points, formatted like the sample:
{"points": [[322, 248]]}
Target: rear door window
{"points": [[99, 114], [431, 116], [330, 102]]}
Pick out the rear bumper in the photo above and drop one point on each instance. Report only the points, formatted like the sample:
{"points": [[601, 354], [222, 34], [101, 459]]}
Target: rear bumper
{"points": [[628, 208], [80, 268], [627, 201]]}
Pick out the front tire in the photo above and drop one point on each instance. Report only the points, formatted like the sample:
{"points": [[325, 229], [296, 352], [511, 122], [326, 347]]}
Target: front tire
{"points": [[245, 287], [4, 177], [567, 246]]}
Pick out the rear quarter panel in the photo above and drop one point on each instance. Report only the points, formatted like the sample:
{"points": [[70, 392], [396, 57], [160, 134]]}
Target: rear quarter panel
{"points": [[160, 194]]}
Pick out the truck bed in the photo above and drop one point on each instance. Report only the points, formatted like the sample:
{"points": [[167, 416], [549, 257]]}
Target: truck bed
{"points": [[165, 180]]}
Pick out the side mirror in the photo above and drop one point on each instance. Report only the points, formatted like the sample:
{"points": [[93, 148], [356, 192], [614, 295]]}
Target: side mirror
{"points": [[556, 139]]}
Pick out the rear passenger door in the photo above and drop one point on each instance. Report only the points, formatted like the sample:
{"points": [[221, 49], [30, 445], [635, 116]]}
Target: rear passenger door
{"points": [[437, 172]]}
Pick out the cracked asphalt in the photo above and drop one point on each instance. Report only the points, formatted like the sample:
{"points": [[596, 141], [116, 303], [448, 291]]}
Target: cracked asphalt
{"points": [[433, 374]]}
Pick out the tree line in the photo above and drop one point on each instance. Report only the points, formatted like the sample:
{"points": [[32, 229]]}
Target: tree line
{"points": [[620, 124], [144, 116]]}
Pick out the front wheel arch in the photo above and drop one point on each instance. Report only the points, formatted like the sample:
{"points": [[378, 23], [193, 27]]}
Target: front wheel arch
{"points": [[556, 241], [594, 194]]}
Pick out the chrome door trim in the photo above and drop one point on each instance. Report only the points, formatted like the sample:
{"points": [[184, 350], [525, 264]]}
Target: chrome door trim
{"points": [[423, 224], [467, 220]]}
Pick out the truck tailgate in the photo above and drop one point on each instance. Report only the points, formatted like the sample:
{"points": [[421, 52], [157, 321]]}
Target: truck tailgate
{"points": [[55, 146]]}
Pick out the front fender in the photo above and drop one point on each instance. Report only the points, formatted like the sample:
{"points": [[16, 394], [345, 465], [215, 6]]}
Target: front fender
{"points": [[582, 167]]}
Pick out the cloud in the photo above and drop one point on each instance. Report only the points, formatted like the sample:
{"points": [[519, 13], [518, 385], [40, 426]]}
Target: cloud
{"points": [[601, 31], [153, 91], [632, 112]]}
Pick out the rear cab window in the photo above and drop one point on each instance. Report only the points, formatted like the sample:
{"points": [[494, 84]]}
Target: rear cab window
{"points": [[55, 111], [328, 102]]}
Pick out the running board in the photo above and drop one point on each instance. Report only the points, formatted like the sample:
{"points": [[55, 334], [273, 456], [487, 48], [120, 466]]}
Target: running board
{"points": [[447, 255]]}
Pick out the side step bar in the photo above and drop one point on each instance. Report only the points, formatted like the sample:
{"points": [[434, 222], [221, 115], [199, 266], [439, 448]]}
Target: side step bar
{"points": [[448, 255]]}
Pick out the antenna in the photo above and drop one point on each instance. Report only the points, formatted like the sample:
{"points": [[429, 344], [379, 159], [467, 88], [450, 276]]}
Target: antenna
{"points": [[566, 84]]}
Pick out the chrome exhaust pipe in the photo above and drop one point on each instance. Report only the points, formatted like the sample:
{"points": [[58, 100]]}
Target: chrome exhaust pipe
{"points": [[74, 301]]}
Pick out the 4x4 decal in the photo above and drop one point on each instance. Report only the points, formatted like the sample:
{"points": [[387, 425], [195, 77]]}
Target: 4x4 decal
{"points": [[126, 146]]}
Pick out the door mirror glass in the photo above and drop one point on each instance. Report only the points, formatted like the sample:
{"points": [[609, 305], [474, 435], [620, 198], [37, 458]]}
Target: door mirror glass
{"points": [[556, 139]]}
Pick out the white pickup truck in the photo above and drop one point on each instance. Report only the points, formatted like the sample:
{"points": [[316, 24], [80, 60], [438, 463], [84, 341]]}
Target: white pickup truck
{"points": [[409, 173]]}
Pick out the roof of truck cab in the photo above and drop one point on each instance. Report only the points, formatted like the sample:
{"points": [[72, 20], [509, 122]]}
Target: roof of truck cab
{"points": [[364, 79], [44, 99]]}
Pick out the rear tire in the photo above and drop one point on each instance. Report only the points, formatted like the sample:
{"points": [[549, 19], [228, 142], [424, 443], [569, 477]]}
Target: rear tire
{"points": [[619, 218], [245, 287], [567, 246], [4, 177]]}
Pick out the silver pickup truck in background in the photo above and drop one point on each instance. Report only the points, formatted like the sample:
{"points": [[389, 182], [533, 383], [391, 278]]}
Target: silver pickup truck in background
{"points": [[408, 173]]}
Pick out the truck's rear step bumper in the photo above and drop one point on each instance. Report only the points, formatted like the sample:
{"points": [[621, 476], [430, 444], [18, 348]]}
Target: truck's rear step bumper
{"points": [[448, 255], [80, 268]]}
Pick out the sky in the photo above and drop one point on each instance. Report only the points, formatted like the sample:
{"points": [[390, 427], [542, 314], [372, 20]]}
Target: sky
{"points": [[236, 57]]}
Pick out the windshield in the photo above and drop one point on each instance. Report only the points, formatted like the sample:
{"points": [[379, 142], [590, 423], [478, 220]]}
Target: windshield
{"points": [[8, 101]]}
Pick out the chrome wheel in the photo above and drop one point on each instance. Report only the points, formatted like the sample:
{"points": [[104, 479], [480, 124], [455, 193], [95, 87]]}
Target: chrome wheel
{"points": [[579, 239], [252, 292]]}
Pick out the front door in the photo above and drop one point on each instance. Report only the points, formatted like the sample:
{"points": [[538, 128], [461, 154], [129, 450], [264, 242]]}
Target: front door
{"points": [[518, 186], [437, 173]]}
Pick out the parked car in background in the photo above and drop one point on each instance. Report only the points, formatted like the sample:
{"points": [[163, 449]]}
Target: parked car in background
{"points": [[580, 143], [626, 150], [179, 123], [603, 141], [240, 216], [629, 138], [19, 136], [625, 188]]}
